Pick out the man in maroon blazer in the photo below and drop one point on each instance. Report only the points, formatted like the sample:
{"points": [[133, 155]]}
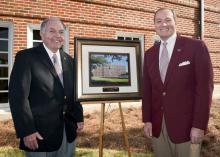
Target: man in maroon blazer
{"points": [[177, 90]]}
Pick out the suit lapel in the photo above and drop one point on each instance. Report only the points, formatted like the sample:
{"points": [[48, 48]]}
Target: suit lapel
{"points": [[67, 65], [154, 65], [64, 67], [158, 78], [45, 59], [178, 48]]}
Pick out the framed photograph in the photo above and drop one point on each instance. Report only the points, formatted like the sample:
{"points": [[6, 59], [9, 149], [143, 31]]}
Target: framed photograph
{"points": [[107, 70]]}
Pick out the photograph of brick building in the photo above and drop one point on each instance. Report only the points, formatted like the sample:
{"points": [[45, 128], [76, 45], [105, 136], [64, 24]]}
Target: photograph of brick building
{"points": [[113, 19], [109, 71], [110, 75]]}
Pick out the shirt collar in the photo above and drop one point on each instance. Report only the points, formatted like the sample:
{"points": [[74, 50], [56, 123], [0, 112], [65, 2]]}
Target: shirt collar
{"points": [[170, 45], [170, 40], [50, 53]]}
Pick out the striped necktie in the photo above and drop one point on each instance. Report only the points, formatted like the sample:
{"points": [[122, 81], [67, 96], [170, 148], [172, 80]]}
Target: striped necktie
{"points": [[164, 62], [57, 68]]}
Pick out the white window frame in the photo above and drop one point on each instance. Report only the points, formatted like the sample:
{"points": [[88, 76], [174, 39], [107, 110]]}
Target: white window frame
{"points": [[134, 35], [30, 40], [10, 27]]}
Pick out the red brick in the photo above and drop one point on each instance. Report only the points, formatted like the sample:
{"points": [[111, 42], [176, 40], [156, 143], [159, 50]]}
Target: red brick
{"points": [[104, 18]]}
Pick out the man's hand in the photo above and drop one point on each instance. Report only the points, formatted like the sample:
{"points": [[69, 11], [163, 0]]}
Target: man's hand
{"points": [[196, 135], [30, 141], [80, 126], [148, 129]]}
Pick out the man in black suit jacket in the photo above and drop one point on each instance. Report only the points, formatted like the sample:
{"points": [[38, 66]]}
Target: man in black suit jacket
{"points": [[42, 98]]}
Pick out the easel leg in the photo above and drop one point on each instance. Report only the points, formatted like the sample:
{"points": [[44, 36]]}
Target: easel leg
{"points": [[101, 130], [124, 131]]}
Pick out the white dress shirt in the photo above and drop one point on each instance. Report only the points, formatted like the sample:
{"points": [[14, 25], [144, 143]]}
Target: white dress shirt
{"points": [[170, 46], [50, 53]]}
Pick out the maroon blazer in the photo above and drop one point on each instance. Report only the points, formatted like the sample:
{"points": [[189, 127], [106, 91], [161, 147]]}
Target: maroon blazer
{"points": [[185, 97]]}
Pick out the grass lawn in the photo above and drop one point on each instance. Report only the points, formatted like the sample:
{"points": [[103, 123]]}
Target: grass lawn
{"points": [[110, 79], [140, 146], [14, 152]]}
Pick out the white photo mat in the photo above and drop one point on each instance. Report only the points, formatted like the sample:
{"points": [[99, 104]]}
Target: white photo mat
{"points": [[86, 89]]}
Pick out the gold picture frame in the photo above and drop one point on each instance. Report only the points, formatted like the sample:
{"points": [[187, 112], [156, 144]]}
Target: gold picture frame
{"points": [[107, 69]]}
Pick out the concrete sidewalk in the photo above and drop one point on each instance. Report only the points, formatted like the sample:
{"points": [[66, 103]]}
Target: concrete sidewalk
{"points": [[91, 108]]}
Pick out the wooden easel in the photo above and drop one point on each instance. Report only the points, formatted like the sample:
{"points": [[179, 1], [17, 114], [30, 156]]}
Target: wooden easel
{"points": [[102, 130]]}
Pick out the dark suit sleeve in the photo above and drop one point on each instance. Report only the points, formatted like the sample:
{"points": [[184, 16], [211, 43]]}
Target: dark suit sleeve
{"points": [[74, 109], [146, 92], [19, 87], [204, 86], [78, 110]]}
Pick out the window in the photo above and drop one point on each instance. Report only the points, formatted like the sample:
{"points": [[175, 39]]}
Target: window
{"points": [[34, 38], [5, 61], [132, 36]]}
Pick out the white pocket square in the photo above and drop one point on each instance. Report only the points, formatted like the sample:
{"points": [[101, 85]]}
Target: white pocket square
{"points": [[184, 63]]}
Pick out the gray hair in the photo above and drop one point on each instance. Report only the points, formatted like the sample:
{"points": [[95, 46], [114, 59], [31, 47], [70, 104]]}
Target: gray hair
{"points": [[46, 21], [171, 10]]}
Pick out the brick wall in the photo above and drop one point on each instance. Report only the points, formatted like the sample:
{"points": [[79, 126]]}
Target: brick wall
{"points": [[212, 34], [213, 3], [103, 18]]}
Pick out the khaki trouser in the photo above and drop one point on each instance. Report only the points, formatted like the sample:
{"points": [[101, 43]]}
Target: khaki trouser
{"points": [[164, 147]]}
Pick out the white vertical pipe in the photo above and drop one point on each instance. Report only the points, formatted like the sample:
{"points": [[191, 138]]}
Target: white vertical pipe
{"points": [[202, 22]]}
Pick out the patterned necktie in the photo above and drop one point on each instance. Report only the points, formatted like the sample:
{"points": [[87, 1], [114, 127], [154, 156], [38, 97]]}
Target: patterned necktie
{"points": [[57, 68], [164, 62]]}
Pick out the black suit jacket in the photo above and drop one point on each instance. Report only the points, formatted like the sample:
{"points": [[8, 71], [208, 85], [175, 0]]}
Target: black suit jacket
{"points": [[37, 98]]}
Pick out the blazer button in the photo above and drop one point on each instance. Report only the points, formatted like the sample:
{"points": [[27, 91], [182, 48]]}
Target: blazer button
{"points": [[164, 93]]}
